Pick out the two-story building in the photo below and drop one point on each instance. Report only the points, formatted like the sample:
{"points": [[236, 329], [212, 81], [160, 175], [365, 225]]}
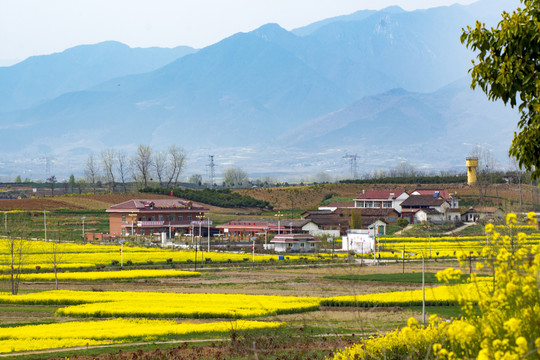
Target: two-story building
{"points": [[149, 217], [381, 199]]}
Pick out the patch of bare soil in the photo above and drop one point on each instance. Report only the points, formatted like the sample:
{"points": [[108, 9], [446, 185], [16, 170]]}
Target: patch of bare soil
{"points": [[240, 346]]}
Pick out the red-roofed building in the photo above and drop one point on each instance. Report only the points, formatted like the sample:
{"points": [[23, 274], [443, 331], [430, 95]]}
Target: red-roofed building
{"points": [[241, 229], [379, 199], [147, 217], [451, 199]]}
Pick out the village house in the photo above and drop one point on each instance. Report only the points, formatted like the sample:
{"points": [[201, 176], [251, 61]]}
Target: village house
{"points": [[295, 243], [381, 199], [162, 217], [478, 213], [245, 229]]}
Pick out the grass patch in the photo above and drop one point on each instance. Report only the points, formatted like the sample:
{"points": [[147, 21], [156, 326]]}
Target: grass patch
{"points": [[415, 278], [453, 311]]}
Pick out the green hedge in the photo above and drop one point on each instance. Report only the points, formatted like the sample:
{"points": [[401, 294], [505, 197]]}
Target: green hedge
{"points": [[223, 198]]}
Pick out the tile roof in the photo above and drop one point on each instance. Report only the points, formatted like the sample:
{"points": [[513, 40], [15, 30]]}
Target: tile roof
{"points": [[422, 200], [430, 211], [156, 204]]}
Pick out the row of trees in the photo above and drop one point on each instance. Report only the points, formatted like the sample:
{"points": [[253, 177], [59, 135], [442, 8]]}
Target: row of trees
{"points": [[145, 165]]}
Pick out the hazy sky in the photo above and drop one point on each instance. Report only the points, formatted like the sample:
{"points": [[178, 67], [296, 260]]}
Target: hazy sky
{"points": [[36, 27]]}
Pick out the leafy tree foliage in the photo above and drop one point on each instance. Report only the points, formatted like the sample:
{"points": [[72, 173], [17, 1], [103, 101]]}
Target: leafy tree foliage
{"points": [[506, 68]]}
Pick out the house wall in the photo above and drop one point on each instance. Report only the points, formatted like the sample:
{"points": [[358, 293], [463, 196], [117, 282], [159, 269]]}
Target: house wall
{"points": [[115, 224]]}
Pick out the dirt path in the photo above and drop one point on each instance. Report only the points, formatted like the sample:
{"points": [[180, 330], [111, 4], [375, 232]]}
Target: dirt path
{"points": [[466, 225]]}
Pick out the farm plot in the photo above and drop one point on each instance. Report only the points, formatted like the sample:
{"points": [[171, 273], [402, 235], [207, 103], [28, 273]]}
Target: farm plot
{"points": [[107, 275], [164, 305], [84, 333]]}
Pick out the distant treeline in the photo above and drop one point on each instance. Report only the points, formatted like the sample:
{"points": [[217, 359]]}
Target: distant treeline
{"points": [[223, 198], [411, 180]]}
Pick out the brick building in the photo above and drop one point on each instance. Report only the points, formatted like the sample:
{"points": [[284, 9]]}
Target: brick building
{"points": [[147, 217]]}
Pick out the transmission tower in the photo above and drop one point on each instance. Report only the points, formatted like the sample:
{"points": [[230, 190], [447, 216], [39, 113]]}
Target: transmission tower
{"points": [[352, 163], [211, 170]]}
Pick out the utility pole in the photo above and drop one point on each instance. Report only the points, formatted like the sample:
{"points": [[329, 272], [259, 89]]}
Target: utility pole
{"points": [[211, 170]]}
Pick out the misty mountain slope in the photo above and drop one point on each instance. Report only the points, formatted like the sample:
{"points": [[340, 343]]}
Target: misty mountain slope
{"points": [[40, 78], [244, 85], [451, 118], [270, 97]]}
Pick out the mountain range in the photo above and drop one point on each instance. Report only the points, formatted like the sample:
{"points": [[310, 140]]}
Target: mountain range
{"points": [[388, 85]]}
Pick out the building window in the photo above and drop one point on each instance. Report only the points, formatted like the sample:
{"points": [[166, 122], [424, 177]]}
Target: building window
{"points": [[302, 244], [160, 217], [289, 244], [180, 217], [387, 204], [312, 244], [369, 204], [360, 204], [141, 231], [189, 218], [170, 217], [153, 217], [123, 218], [376, 204], [123, 232]]}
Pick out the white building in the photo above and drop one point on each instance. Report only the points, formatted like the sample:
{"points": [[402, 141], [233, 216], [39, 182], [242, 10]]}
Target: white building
{"points": [[379, 199], [294, 243], [361, 241]]}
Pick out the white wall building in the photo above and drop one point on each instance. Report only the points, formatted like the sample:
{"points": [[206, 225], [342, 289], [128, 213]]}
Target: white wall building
{"points": [[294, 243], [361, 241], [379, 199]]}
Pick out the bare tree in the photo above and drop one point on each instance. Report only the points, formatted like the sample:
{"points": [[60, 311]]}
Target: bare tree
{"points": [[52, 180], [160, 164], [486, 168], [235, 177], [15, 250], [177, 157], [142, 163], [196, 179], [108, 157], [403, 169], [56, 254], [122, 165], [91, 172]]}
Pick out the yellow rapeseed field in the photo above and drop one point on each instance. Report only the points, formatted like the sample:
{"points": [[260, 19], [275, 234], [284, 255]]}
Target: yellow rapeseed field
{"points": [[83, 333], [164, 305], [105, 275]]}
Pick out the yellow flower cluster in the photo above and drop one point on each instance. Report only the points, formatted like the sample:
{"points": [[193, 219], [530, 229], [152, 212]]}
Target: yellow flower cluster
{"points": [[440, 295], [500, 319], [406, 343], [164, 305], [444, 246], [37, 252], [82, 333], [106, 275]]}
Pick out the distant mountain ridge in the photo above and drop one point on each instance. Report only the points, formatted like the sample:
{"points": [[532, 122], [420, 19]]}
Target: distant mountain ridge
{"points": [[269, 96], [41, 78]]}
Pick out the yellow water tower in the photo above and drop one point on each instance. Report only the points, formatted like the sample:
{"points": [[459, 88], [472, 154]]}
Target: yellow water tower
{"points": [[472, 164]]}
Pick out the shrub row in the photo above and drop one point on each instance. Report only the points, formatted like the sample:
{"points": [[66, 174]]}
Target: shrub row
{"points": [[223, 198]]}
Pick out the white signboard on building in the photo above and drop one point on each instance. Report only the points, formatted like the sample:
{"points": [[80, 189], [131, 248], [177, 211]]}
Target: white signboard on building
{"points": [[359, 241]]}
